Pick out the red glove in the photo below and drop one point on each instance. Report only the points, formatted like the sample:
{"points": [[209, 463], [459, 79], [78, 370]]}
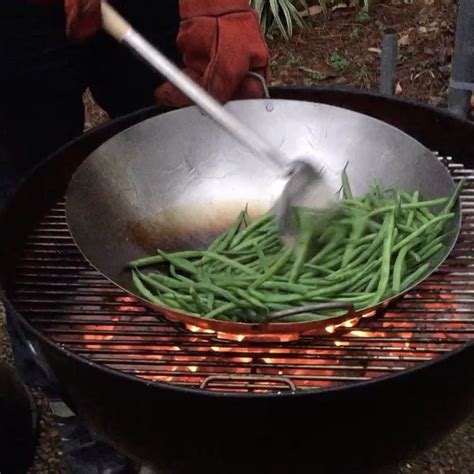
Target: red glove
{"points": [[83, 18], [220, 41]]}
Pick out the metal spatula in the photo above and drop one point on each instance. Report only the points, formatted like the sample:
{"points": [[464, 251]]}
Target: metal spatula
{"points": [[305, 186]]}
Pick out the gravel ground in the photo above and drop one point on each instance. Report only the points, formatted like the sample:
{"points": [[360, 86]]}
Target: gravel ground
{"points": [[454, 456]]}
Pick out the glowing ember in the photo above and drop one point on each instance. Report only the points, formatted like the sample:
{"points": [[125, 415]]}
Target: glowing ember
{"points": [[192, 328], [131, 341]]}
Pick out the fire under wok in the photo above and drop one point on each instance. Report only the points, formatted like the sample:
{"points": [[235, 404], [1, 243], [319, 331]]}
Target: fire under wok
{"points": [[176, 181]]}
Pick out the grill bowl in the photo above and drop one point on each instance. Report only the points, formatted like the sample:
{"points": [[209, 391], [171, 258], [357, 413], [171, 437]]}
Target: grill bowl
{"points": [[353, 425]]}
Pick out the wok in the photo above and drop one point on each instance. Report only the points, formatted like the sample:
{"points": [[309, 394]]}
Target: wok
{"points": [[176, 181]]}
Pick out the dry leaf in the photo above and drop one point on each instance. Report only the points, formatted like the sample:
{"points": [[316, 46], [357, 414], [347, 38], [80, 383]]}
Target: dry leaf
{"points": [[429, 2], [311, 11], [398, 89], [404, 40], [339, 6], [422, 30], [375, 50]]}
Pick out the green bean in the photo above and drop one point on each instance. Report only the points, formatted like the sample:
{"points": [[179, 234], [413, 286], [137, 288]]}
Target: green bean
{"points": [[346, 187], [405, 228], [146, 262], [432, 250], [357, 231], [265, 297], [246, 216], [210, 301], [179, 262], [230, 262], [281, 262], [398, 269], [276, 285], [197, 300], [249, 243], [144, 291], [372, 284], [415, 256], [265, 219], [336, 252], [215, 245], [184, 304], [218, 291], [367, 239], [454, 197], [168, 281], [411, 214], [344, 273], [318, 269], [333, 262], [413, 205], [175, 274], [153, 283], [373, 248], [339, 287], [420, 230], [415, 276], [386, 258], [251, 299], [361, 283], [219, 310], [421, 218], [301, 253], [261, 258]]}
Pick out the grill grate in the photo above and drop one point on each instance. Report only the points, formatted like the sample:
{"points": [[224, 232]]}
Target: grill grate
{"points": [[71, 303]]}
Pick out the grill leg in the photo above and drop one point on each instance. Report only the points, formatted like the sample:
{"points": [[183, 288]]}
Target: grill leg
{"points": [[31, 366], [462, 81]]}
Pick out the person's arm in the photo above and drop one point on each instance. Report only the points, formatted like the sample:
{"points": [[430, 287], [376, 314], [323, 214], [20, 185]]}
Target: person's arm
{"points": [[220, 42]]}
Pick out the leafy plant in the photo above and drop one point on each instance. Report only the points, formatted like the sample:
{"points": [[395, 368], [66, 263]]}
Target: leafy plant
{"points": [[355, 33], [363, 16], [362, 75], [282, 14], [337, 61]]}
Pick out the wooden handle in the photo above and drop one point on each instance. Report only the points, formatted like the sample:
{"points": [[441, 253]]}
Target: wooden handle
{"points": [[113, 23]]}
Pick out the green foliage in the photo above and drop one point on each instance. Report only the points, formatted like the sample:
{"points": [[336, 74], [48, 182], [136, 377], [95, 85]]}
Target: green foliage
{"points": [[337, 61], [282, 14]]}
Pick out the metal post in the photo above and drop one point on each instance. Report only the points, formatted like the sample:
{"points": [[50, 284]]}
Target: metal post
{"points": [[462, 80], [388, 67]]}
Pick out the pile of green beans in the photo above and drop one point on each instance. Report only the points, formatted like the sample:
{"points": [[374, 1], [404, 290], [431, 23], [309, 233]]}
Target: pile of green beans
{"points": [[376, 247]]}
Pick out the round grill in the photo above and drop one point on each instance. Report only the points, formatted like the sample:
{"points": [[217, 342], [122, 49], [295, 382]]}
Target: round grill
{"points": [[69, 302]]}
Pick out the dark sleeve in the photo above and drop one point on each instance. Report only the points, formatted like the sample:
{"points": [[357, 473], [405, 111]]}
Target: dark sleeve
{"points": [[41, 83], [120, 82]]}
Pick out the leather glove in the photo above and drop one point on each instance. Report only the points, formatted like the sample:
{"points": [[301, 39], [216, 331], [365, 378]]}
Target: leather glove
{"points": [[83, 18], [220, 42]]}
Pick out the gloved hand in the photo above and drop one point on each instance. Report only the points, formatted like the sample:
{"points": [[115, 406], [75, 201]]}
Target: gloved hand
{"points": [[83, 18], [220, 41]]}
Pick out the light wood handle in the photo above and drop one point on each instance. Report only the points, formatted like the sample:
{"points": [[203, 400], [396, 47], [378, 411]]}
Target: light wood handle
{"points": [[113, 23]]}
